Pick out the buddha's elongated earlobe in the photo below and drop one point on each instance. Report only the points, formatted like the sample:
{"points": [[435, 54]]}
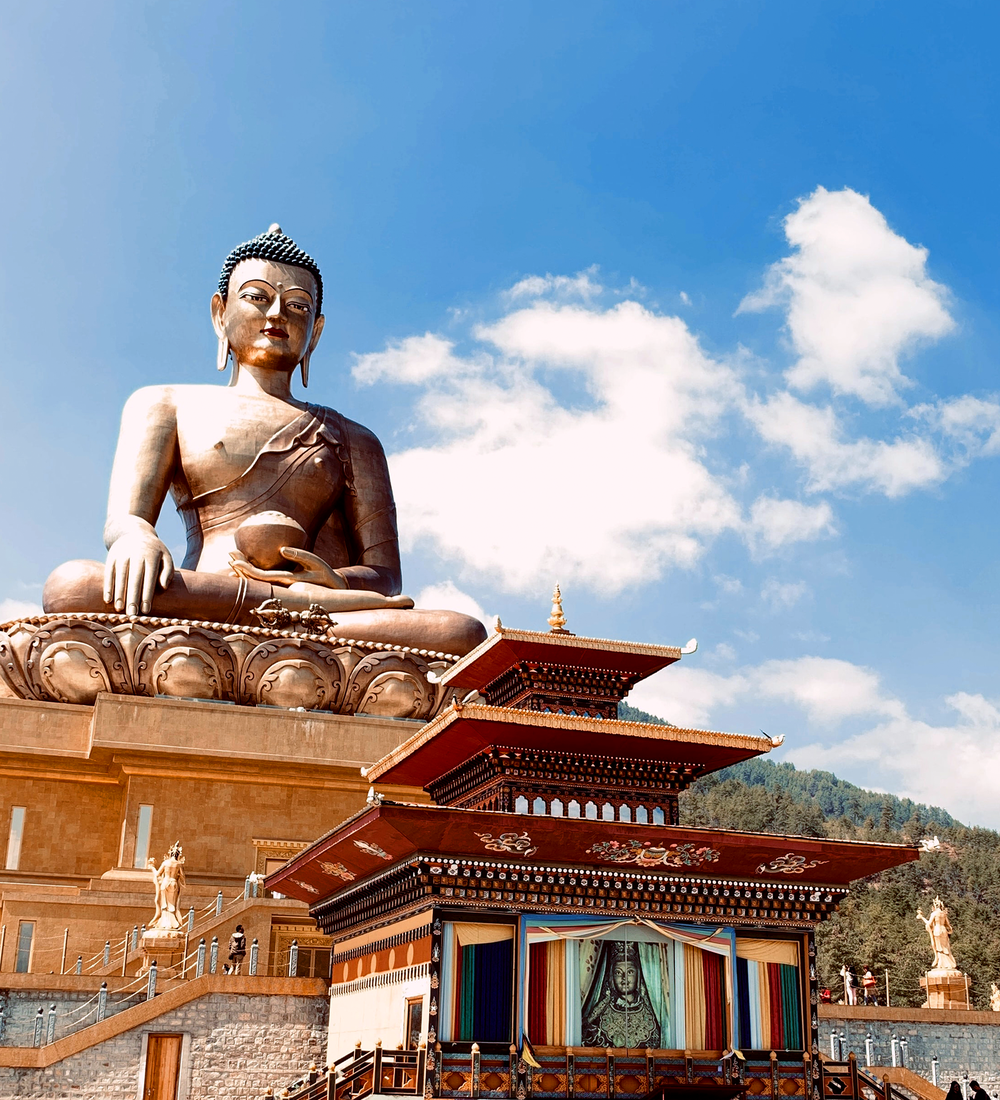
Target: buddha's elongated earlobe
{"points": [[222, 359], [236, 372], [305, 369]]}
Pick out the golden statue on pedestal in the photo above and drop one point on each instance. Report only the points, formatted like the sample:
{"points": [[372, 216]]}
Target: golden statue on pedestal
{"points": [[939, 929], [289, 593]]}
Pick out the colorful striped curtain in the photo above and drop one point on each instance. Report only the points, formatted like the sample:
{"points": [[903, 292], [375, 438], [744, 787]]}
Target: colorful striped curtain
{"points": [[704, 1000], [547, 993], [477, 978], [770, 1005]]}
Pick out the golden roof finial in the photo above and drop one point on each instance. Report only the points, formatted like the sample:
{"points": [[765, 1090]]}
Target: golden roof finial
{"points": [[557, 620]]}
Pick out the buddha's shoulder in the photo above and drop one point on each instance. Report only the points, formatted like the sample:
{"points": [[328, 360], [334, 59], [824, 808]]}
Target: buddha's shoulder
{"points": [[358, 436], [173, 396]]}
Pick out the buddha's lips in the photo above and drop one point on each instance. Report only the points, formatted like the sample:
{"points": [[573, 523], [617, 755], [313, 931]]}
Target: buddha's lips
{"points": [[276, 332]]}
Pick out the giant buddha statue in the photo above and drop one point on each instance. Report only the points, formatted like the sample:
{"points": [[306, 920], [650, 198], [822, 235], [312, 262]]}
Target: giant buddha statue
{"points": [[286, 504]]}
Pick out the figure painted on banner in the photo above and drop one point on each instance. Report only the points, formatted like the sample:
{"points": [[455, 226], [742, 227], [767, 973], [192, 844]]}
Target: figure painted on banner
{"points": [[939, 929], [237, 950], [281, 499], [850, 985], [869, 987], [994, 997], [619, 1013], [168, 879]]}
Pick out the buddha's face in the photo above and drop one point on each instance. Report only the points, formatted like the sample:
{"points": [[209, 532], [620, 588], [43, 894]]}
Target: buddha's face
{"points": [[269, 315], [626, 977]]}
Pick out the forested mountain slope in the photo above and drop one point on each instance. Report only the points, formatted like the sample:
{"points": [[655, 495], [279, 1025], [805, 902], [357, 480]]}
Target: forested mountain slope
{"points": [[877, 924]]}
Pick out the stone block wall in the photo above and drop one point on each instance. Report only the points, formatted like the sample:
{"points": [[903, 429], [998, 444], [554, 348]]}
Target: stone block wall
{"points": [[964, 1042], [240, 1045], [73, 1011]]}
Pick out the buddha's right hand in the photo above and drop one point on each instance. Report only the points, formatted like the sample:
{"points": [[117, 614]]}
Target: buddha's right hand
{"points": [[137, 559]]}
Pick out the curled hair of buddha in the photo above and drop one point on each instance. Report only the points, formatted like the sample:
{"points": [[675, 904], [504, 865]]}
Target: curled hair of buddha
{"points": [[279, 249]]}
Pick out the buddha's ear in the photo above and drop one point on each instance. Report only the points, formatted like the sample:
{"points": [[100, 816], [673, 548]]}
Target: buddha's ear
{"points": [[317, 333], [218, 314]]}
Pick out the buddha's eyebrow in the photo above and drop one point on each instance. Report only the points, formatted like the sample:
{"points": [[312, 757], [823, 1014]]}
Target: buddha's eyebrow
{"points": [[255, 284]]}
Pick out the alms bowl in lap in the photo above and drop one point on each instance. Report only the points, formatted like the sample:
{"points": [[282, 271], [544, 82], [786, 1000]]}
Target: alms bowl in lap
{"points": [[289, 513]]}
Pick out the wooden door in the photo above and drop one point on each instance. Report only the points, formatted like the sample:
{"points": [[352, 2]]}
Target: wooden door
{"points": [[163, 1065]]}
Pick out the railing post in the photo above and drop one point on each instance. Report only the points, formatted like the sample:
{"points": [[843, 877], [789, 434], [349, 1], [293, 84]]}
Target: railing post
{"points": [[218, 904], [895, 1051], [50, 1031], [254, 952], [125, 953], [868, 1049], [213, 955], [376, 1057], [62, 961], [774, 1076], [102, 1002], [903, 1047], [475, 1071], [135, 936], [293, 962], [246, 889], [934, 1071], [852, 1065], [107, 952], [190, 920], [151, 982], [200, 965], [833, 1047], [39, 1021], [79, 964]]}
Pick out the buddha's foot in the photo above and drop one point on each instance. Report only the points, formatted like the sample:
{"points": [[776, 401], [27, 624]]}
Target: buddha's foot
{"points": [[71, 658]]}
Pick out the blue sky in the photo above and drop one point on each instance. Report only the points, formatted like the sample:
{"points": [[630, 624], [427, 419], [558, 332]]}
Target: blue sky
{"points": [[692, 307]]}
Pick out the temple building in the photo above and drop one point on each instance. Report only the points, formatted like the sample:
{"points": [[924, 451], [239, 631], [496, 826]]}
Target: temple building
{"points": [[544, 926]]}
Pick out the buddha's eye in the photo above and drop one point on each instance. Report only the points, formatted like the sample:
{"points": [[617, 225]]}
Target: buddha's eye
{"points": [[253, 296], [302, 307]]}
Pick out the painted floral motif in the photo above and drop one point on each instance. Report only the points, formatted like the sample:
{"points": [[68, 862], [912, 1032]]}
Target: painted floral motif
{"points": [[372, 849], [337, 870], [304, 886], [789, 864], [508, 842], [649, 854]]}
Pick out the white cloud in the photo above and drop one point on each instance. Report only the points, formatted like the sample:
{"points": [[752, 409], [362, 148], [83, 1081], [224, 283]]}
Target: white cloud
{"points": [[18, 609], [775, 523], [827, 689], [447, 596], [815, 438], [857, 297], [781, 595], [413, 360], [582, 285], [610, 494], [603, 430], [954, 765]]}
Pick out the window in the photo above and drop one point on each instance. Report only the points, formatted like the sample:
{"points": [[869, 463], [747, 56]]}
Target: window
{"points": [[14, 838], [25, 936], [414, 1021], [538, 806], [142, 836], [520, 804]]}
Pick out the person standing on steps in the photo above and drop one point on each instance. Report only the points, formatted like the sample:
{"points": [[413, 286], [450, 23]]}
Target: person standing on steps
{"points": [[237, 950]]}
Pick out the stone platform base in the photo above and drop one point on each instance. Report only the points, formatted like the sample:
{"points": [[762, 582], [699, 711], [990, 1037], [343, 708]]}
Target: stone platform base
{"points": [[946, 989], [71, 659]]}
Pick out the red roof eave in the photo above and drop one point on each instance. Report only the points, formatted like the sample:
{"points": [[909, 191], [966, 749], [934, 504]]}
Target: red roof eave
{"points": [[391, 833]]}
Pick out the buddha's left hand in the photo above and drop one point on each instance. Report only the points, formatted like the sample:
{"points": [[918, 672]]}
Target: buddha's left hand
{"points": [[314, 570]]}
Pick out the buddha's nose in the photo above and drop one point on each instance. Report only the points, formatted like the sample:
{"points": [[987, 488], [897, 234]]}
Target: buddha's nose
{"points": [[276, 308]]}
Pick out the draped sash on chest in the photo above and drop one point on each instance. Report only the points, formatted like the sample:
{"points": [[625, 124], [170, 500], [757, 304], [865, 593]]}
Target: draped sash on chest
{"points": [[315, 436]]}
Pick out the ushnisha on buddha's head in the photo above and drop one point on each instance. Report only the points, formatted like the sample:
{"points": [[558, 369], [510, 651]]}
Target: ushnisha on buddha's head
{"points": [[267, 311]]}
